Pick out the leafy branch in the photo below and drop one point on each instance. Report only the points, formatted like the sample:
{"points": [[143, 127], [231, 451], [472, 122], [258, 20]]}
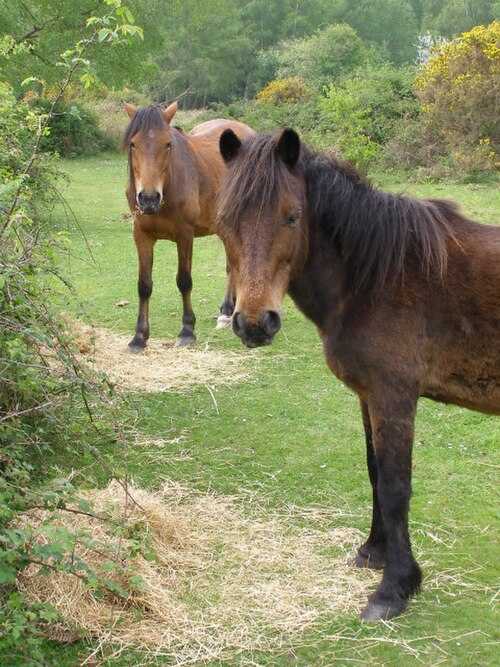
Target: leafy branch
{"points": [[114, 27]]}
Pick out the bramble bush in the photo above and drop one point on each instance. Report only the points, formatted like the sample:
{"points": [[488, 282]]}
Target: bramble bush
{"points": [[34, 404], [49, 401]]}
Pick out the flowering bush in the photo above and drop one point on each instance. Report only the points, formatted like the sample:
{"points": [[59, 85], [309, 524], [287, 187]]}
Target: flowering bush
{"points": [[459, 89], [283, 91]]}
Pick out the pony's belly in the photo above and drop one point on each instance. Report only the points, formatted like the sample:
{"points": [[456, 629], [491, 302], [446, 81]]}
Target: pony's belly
{"points": [[478, 393]]}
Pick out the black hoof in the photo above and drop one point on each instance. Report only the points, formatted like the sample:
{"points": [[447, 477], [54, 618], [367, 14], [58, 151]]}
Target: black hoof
{"points": [[136, 346], [381, 612], [185, 341]]}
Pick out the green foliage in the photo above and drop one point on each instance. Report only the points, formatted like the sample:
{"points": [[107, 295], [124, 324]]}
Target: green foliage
{"points": [[349, 122], [72, 130], [452, 17], [205, 55], [390, 24], [46, 394], [364, 111], [208, 51], [42, 30], [323, 57]]}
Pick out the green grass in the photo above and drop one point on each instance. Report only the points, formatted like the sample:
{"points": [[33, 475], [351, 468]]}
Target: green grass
{"points": [[293, 434]]}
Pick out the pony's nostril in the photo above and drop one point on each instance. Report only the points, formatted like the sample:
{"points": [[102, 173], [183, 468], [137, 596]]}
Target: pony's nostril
{"points": [[270, 322], [238, 323]]}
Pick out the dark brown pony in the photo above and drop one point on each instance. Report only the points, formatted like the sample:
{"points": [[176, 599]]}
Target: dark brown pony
{"points": [[405, 294], [172, 190]]}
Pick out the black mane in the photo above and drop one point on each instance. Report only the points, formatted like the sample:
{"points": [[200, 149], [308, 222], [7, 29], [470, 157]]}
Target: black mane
{"points": [[374, 231]]}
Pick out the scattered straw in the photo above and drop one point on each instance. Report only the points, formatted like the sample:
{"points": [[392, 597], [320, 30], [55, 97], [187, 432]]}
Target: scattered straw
{"points": [[162, 366], [226, 578]]}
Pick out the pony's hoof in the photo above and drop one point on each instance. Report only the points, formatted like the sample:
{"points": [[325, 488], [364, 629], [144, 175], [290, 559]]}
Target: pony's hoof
{"points": [[185, 341], [380, 612], [368, 562], [133, 348], [224, 322]]}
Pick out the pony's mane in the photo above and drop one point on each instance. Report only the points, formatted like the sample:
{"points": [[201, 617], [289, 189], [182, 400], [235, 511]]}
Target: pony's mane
{"points": [[375, 232], [144, 119]]}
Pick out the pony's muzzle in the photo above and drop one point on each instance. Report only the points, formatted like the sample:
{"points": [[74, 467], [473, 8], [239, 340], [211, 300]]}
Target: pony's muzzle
{"points": [[149, 201], [255, 335]]}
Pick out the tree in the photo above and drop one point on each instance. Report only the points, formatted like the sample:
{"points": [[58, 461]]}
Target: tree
{"points": [[207, 52], [388, 23], [451, 17], [322, 58], [460, 15], [41, 29]]}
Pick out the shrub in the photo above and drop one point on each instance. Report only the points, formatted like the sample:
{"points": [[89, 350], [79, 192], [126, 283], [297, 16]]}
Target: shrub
{"points": [[73, 130], [48, 399], [349, 121], [283, 91], [459, 88], [364, 110]]}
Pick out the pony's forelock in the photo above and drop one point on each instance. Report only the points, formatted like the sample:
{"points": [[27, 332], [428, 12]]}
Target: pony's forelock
{"points": [[145, 119], [256, 187]]}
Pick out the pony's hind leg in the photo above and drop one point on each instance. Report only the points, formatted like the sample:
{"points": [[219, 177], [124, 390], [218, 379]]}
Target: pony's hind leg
{"points": [[227, 306], [392, 433], [185, 285], [372, 553], [145, 245]]}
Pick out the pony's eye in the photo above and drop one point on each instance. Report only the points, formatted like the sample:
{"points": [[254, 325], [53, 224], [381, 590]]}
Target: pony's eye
{"points": [[168, 145], [132, 145], [291, 219]]}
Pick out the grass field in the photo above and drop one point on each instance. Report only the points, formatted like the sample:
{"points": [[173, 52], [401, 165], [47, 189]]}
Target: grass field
{"points": [[291, 434]]}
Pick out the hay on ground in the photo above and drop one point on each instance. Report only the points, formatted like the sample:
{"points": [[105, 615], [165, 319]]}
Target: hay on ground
{"points": [[225, 578], [162, 366]]}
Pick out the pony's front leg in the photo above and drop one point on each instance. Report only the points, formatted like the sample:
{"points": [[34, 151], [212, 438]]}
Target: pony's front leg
{"points": [[392, 421], [185, 285], [372, 553], [227, 306], [144, 244]]}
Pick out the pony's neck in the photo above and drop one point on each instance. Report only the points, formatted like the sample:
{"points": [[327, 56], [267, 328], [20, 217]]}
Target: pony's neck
{"points": [[317, 282]]}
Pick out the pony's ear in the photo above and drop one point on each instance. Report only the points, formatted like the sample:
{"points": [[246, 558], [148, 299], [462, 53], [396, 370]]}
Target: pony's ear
{"points": [[129, 109], [288, 147], [169, 112], [229, 145]]}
